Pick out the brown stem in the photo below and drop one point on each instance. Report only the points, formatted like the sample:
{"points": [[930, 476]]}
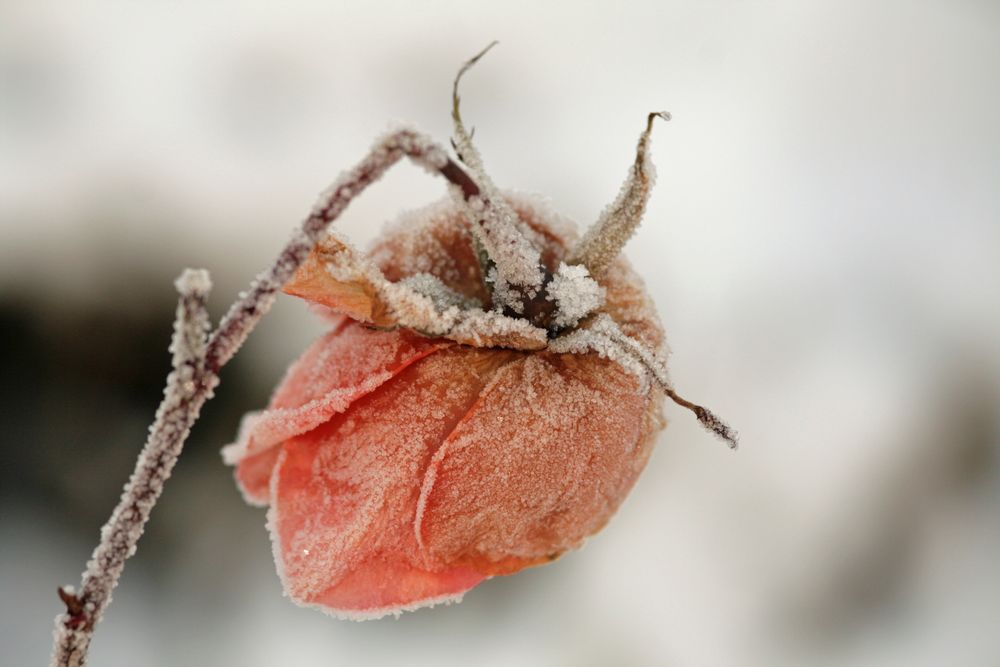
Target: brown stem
{"points": [[197, 361], [707, 418], [457, 175], [189, 385]]}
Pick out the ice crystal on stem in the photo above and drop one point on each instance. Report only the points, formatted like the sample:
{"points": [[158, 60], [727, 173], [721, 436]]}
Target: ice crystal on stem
{"points": [[188, 386]]}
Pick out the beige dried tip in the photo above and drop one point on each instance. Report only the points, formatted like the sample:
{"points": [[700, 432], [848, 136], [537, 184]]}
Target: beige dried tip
{"points": [[606, 237]]}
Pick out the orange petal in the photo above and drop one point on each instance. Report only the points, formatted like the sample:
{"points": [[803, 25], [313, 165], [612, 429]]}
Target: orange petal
{"points": [[336, 370], [436, 239], [343, 496], [542, 461], [628, 304], [253, 476], [353, 292]]}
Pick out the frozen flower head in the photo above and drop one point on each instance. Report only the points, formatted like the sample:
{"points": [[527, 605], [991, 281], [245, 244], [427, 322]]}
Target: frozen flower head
{"points": [[488, 393]]}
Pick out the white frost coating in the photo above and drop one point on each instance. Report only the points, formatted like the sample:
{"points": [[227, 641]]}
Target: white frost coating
{"points": [[499, 230], [504, 296], [187, 388], [494, 221], [605, 338], [283, 423], [381, 612], [616, 224], [419, 312], [195, 282], [237, 451], [423, 150], [575, 293], [443, 297], [479, 326], [430, 308]]}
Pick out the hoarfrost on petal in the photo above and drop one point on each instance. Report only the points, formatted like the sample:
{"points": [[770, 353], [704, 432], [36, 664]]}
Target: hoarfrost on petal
{"points": [[343, 496], [542, 461], [336, 370], [253, 476]]}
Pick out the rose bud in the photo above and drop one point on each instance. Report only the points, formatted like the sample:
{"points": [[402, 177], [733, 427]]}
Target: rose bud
{"points": [[489, 391]]}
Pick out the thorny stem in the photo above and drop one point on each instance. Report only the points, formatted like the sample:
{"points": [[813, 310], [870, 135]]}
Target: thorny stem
{"points": [[606, 237], [197, 359]]}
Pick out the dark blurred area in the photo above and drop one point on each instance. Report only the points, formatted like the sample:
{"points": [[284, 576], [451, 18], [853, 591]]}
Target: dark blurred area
{"points": [[81, 383]]}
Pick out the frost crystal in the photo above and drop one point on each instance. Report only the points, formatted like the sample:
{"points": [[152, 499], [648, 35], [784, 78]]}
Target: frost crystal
{"points": [[187, 388], [338, 276], [575, 293], [440, 294], [606, 338], [504, 296], [606, 237], [517, 260]]}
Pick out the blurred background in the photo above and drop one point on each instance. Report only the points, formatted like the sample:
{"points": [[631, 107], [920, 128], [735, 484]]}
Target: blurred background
{"points": [[823, 245]]}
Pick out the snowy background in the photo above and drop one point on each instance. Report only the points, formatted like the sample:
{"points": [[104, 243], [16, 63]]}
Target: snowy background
{"points": [[824, 246]]}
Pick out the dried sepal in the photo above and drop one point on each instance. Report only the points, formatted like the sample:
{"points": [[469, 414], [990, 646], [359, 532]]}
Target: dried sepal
{"points": [[518, 275], [605, 337], [338, 277], [618, 222]]}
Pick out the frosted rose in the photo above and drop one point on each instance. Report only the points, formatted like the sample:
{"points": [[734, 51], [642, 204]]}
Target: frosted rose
{"points": [[401, 470]]}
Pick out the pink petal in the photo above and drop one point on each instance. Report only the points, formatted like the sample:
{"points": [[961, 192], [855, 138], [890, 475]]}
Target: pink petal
{"points": [[253, 476], [436, 240], [541, 462], [344, 495], [336, 370]]}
